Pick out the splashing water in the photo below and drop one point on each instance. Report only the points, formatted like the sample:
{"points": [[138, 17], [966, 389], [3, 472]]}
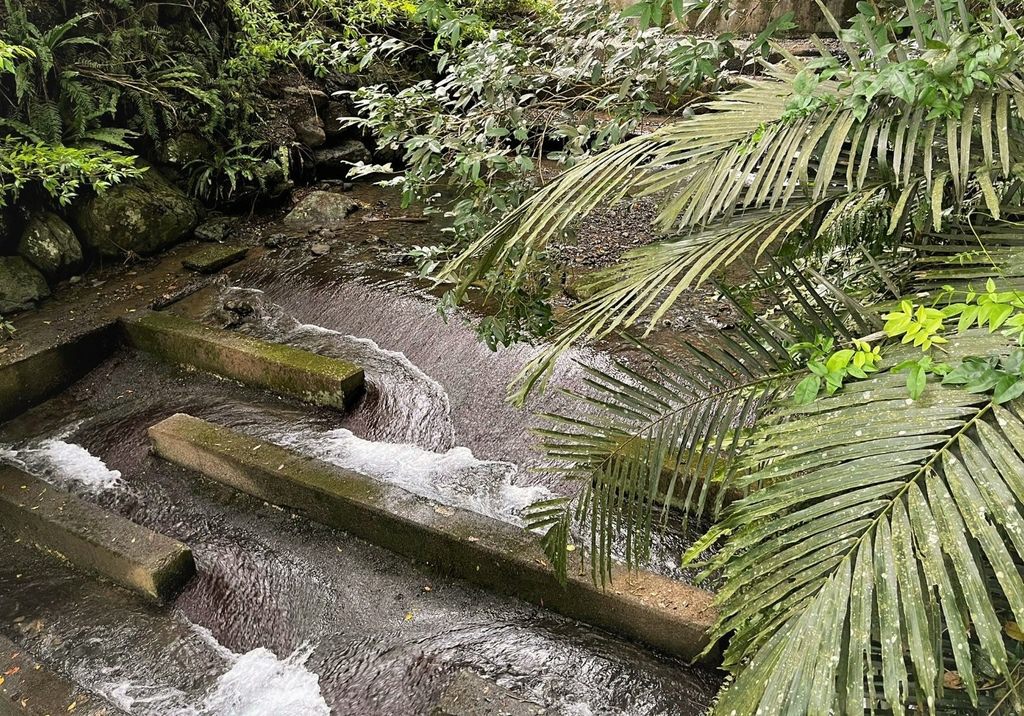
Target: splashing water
{"points": [[408, 406], [256, 683], [65, 465], [454, 477]]}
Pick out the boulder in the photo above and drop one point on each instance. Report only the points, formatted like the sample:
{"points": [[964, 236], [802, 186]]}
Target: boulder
{"points": [[142, 216], [307, 108], [309, 130], [300, 94], [333, 125], [51, 246], [336, 161], [219, 228], [21, 285], [321, 207], [184, 148]]}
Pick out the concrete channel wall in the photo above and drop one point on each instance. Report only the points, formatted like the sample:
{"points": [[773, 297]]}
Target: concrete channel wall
{"points": [[661, 612], [92, 538], [46, 372], [279, 368]]}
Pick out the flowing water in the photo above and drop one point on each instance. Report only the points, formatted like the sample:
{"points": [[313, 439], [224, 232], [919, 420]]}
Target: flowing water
{"points": [[287, 616]]}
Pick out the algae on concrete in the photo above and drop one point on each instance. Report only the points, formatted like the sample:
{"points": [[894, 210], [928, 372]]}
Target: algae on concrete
{"points": [[214, 257], [92, 538], [283, 369], [30, 688], [647, 607]]}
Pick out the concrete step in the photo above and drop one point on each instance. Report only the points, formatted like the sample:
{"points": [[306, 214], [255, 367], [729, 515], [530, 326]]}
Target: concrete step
{"points": [[92, 538], [282, 369], [661, 612], [28, 687]]}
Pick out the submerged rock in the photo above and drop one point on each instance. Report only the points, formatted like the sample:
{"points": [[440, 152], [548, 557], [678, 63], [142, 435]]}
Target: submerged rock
{"points": [[473, 695], [321, 207], [336, 161], [51, 246], [142, 216], [21, 285], [218, 228]]}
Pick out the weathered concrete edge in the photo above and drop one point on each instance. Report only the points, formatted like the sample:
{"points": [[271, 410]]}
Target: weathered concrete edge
{"points": [[661, 612], [30, 687], [92, 538], [39, 376], [276, 367]]}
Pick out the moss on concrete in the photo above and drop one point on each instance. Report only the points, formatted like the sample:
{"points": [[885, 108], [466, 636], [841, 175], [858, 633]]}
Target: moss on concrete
{"points": [[92, 538], [283, 369], [43, 374], [214, 257], [661, 612]]}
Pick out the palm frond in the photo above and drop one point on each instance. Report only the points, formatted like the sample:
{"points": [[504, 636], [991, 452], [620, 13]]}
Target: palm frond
{"points": [[864, 535], [666, 439]]}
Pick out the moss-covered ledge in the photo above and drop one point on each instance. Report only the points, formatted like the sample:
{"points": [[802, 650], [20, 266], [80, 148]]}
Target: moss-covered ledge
{"points": [[661, 612], [279, 368]]}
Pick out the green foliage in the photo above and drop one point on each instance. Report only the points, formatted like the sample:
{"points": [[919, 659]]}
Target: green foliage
{"points": [[10, 55], [1002, 376], [990, 308], [755, 169], [61, 171], [509, 104], [832, 368], [7, 329], [219, 176], [919, 325], [918, 370]]}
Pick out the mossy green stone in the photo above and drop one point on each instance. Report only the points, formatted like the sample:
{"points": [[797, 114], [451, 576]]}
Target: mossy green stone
{"points": [[282, 369], [650, 608], [214, 257]]}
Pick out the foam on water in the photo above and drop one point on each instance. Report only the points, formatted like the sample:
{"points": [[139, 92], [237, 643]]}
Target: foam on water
{"points": [[65, 465], [454, 477], [410, 406], [256, 683]]}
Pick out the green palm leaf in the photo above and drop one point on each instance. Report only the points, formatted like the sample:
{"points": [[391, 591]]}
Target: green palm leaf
{"points": [[866, 536]]}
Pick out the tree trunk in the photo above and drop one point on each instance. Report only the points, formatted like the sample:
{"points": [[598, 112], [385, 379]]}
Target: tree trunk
{"points": [[752, 16]]}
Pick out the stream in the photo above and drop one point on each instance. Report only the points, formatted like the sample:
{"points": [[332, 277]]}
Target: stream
{"points": [[287, 616]]}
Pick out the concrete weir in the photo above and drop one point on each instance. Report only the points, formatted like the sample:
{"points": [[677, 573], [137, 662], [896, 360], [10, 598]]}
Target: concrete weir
{"points": [[661, 612], [29, 688], [92, 538], [279, 368]]}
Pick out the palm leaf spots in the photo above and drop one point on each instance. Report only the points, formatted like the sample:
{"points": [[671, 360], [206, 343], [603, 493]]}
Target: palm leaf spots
{"points": [[860, 573]]}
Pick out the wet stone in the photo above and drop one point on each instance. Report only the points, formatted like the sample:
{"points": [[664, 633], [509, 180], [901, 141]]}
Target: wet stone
{"points": [[214, 257], [472, 695], [322, 207], [21, 285], [280, 368], [217, 229], [92, 538]]}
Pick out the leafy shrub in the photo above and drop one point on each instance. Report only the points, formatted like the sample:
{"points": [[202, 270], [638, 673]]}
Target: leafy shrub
{"points": [[61, 171]]}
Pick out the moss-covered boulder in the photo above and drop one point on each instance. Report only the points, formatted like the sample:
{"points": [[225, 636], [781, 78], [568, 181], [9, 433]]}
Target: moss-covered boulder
{"points": [[50, 245], [142, 216], [319, 208], [21, 285]]}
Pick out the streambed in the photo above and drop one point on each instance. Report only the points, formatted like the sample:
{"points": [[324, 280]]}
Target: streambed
{"points": [[286, 616]]}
